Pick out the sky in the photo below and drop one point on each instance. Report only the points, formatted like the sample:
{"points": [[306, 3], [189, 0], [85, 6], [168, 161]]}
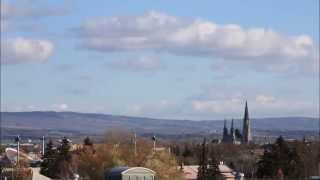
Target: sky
{"points": [[178, 59]]}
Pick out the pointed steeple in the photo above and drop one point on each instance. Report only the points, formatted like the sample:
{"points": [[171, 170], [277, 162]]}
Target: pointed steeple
{"points": [[246, 112], [232, 133], [246, 130], [232, 127], [225, 132]]}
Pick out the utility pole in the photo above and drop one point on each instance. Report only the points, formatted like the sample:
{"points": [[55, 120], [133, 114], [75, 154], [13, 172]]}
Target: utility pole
{"points": [[135, 144], [42, 145], [0, 127], [154, 143], [17, 140]]}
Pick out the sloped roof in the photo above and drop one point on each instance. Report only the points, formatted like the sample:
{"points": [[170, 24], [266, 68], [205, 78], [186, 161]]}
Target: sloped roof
{"points": [[138, 170], [127, 170], [117, 170], [191, 172]]}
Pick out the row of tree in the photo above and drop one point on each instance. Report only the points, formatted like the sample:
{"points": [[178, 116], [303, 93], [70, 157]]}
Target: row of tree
{"points": [[92, 161], [208, 163], [56, 160], [291, 160], [297, 159], [282, 159]]}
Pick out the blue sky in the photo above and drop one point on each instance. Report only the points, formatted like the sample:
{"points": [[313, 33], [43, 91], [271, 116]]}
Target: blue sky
{"points": [[165, 59]]}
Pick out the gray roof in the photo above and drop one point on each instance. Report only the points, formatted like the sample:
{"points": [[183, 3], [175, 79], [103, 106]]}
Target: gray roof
{"points": [[121, 170]]}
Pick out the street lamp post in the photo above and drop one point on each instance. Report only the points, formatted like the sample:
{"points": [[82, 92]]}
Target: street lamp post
{"points": [[42, 145], [17, 140], [154, 143], [135, 144]]}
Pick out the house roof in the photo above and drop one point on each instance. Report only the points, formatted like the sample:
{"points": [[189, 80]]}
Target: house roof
{"points": [[191, 172], [125, 170], [117, 170]]}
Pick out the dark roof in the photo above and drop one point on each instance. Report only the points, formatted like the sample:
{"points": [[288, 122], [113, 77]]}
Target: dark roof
{"points": [[4, 161], [117, 170]]}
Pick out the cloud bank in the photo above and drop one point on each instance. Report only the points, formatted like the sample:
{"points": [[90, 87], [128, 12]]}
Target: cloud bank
{"points": [[260, 105], [195, 37], [26, 9], [22, 50], [141, 64]]}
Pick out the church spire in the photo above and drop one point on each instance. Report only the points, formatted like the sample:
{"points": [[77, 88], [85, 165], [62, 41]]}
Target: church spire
{"points": [[246, 112], [232, 133], [246, 130], [232, 127], [225, 131]]}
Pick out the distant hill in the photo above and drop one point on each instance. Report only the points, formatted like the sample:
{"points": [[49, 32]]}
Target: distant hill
{"points": [[90, 123]]}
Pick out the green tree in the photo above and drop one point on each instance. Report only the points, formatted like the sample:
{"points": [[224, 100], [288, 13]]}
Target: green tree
{"points": [[64, 150], [280, 156], [64, 159], [93, 165], [165, 166], [48, 165], [203, 162], [57, 162], [213, 169], [238, 134], [187, 151], [87, 141]]}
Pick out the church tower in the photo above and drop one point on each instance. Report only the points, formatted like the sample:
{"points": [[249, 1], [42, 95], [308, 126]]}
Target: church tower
{"points": [[232, 133], [225, 132], [246, 130]]}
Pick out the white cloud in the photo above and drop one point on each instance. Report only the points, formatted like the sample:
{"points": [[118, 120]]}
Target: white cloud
{"points": [[59, 107], [161, 109], [160, 32], [137, 65], [23, 50], [18, 15], [26, 9], [261, 105], [229, 105], [24, 108], [226, 106], [269, 103], [263, 99], [134, 110]]}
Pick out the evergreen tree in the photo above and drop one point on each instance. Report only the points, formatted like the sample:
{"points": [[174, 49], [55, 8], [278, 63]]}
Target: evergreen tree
{"points": [[203, 162], [56, 161], [295, 166], [64, 159], [49, 163], [319, 158], [176, 150], [238, 134], [266, 165], [213, 169], [64, 150], [280, 156], [187, 151], [87, 141]]}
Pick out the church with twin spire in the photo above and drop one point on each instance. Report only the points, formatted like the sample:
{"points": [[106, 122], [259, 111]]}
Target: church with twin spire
{"points": [[234, 136]]}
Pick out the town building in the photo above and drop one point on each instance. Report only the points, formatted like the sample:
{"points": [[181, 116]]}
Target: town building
{"points": [[231, 137], [246, 130], [130, 173], [226, 173]]}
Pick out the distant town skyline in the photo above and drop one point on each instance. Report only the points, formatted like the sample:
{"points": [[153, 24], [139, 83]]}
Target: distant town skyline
{"points": [[161, 59]]}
